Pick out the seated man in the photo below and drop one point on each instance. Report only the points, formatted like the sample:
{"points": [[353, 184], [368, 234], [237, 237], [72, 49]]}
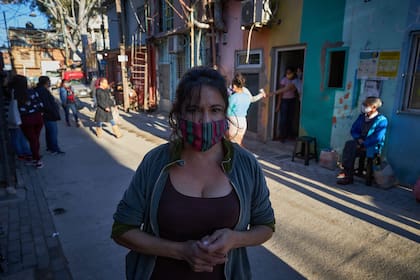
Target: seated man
{"points": [[368, 133]]}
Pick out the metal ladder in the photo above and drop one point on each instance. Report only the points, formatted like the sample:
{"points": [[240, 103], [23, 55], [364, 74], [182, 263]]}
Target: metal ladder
{"points": [[139, 73]]}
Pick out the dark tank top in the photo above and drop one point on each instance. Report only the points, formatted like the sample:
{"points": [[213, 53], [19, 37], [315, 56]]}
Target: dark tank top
{"points": [[182, 218]]}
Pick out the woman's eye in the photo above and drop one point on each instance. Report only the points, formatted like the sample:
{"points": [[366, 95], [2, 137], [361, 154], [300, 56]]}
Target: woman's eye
{"points": [[217, 109]]}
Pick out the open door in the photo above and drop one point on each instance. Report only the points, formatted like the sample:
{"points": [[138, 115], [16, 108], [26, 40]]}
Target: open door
{"points": [[285, 57]]}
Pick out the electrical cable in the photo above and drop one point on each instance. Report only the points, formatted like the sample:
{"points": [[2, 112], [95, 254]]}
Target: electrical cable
{"points": [[249, 43]]}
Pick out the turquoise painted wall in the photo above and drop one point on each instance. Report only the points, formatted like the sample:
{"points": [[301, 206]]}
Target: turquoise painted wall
{"points": [[404, 134], [381, 25], [322, 24]]}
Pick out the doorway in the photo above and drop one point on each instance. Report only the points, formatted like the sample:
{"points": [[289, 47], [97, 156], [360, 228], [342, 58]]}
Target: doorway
{"points": [[283, 58], [252, 83]]}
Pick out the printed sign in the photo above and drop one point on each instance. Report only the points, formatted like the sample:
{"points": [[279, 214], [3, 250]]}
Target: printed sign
{"points": [[378, 65], [388, 64]]}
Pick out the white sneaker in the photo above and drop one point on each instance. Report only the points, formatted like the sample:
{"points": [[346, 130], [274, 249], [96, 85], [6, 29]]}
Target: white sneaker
{"points": [[38, 164]]}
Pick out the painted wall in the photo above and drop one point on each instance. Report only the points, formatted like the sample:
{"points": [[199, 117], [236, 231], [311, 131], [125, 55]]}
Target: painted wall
{"points": [[232, 40], [404, 133], [386, 26], [114, 37], [283, 31], [286, 30], [369, 17], [322, 25]]}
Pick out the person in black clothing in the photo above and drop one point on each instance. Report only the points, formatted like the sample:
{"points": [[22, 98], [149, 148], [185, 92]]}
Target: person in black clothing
{"points": [[104, 105], [51, 115]]}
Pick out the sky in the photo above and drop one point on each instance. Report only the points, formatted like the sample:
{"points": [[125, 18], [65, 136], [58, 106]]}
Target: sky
{"points": [[18, 16]]}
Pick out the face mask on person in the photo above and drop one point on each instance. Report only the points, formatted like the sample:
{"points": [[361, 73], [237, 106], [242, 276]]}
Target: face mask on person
{"points": [[66, 84], [202, 136], [366, 109]]}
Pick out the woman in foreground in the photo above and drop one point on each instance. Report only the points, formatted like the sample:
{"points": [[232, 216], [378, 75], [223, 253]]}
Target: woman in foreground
{"points": [[195, 203]]}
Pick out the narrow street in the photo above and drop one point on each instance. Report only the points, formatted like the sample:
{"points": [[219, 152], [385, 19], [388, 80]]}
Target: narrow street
{"points": [[323, 231]]}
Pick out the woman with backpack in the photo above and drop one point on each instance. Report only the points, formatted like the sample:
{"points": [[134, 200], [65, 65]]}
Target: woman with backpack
{"points": [[68, 101]]}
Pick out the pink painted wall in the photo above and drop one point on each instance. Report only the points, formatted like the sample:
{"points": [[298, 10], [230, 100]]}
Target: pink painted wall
{"points": [[233, 39], [284, 31]]}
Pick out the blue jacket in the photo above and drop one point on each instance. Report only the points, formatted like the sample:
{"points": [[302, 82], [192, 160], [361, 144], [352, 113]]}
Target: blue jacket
{"points": [[139, 205], [375, 138]]}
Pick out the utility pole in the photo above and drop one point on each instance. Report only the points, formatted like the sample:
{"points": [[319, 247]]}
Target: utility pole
{"points": [[9, 46], [192, 35], [122, 57]]}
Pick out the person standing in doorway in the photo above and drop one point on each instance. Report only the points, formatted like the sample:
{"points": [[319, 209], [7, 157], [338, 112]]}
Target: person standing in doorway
{"points": [[68, 101], [51, 115], [286, 103], [239, 102], [104, 104]]}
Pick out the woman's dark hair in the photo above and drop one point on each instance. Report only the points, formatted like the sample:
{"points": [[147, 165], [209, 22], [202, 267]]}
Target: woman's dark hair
{"points": [[189, 91], [19, 85], [42, 81], [291, 69], [239, 80], [63, 81]]}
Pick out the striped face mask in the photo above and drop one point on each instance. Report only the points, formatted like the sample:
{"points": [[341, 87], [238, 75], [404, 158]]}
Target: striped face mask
{"points": [[202, 136]]}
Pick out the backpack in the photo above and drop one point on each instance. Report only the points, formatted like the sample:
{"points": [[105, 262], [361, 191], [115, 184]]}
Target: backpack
{"points": [[70, 96]]}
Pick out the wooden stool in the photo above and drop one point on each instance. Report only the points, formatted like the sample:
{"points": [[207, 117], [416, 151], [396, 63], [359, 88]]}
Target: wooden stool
{"points": [[305, 151], [366, 171]]}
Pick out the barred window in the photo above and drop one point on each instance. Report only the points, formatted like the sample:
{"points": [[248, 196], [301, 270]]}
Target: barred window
{"points": [[254, 59], [412, 87]]}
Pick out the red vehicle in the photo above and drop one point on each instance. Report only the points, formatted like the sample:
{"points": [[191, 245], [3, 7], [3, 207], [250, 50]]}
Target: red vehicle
{"points": [[73, 75], [77, 81]]}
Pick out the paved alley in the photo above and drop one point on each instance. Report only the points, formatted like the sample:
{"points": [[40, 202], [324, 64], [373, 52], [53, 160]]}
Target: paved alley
{"points": [[62, 214]]}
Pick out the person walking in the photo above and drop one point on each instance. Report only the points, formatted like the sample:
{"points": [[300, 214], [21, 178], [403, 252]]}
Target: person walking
{"points": [[195, 203], [104, 104], [30, 109], [51, 115], [239, 102], [68, 101]]}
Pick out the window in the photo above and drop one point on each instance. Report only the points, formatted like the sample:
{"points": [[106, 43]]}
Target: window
{"points": [[46, 55], [141, 15], [254, 59], [25, 55], [336, 65], [412, 88], [166, 19]]}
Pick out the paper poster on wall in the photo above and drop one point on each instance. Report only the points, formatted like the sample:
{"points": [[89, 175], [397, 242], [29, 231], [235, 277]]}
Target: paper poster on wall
{"points": [[372, 88], [368, 62], [378, 64], [388, 64]]}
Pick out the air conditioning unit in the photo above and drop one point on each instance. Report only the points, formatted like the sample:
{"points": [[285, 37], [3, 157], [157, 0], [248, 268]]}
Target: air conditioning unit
{"points": [[175, 43], [255, 12]]}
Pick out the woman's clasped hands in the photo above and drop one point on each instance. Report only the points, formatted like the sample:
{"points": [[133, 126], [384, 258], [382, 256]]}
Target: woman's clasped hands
{"points": [[204, 254]]}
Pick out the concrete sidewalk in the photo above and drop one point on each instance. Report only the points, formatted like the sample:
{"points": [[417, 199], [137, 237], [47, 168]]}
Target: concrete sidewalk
{"points": [[28, 240]]}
